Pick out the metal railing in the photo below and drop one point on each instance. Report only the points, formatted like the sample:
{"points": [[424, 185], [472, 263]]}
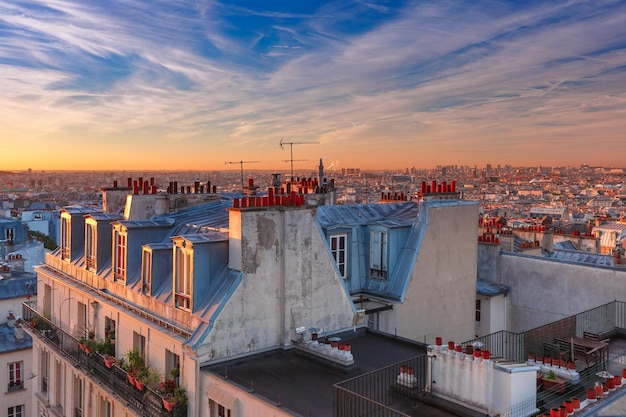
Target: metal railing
{"points": [[384, 392], [148, 403], [502, 344]]}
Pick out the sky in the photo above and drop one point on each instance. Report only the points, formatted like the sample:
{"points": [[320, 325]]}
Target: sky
{"points": [[192, 85]]}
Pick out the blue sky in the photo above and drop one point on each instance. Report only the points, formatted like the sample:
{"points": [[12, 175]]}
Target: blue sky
{"points": [[191, 84]]}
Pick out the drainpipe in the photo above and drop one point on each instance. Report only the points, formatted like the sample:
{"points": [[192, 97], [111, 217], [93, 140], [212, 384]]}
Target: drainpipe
{"points": [[198, 393]]}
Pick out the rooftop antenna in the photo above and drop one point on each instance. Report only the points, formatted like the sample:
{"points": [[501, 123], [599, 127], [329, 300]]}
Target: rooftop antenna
{"points": [[241, 164], [291, 150]]}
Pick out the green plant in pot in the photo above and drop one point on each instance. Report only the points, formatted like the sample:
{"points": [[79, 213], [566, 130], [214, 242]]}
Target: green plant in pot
{"points": [[135, 360], [180, 395], [105, 347], [149, 377]]}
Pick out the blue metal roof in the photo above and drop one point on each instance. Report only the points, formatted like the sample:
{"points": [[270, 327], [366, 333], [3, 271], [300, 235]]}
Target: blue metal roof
{"points": [[568, 245], [200, 218], [19, 285], [390, 215], [106, 216], [490, 288], [80, 209], [147, 223], [578, 256], [8, 341]]}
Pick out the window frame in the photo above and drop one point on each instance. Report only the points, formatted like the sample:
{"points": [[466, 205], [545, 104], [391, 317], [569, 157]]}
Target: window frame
{"points": [[146, 270], [16, 410], [91, 242], [15, 375], [65, 238], [478, 309], [120, 253], [379, 254], [182, 266], [337, 251]]}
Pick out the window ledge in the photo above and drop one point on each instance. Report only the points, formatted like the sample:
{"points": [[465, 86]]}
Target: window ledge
{"points": [[15, 389]]}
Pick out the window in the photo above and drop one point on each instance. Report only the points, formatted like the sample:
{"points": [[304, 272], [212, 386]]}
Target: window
{"points": [[338, 248], [9, 234], [44, 370], [172, 365], [146, 270], [378, 254], [15, 375], [139, 343], [218, 410], [16, 411], [182, 277], [59, 386], [477, 310], [78, 396], [222, 411], [65, 238], [90, 246], [106, 408], [119, 256]]}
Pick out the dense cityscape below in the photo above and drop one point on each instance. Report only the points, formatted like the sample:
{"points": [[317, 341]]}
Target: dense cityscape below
{"points": [[577, 194]]}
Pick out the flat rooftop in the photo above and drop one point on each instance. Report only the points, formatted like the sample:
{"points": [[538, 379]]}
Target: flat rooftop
{"points": [[304, 386]]}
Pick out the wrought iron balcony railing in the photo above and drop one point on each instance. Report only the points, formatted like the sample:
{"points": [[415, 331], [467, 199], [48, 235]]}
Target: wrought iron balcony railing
{"points": [[148, 403]]}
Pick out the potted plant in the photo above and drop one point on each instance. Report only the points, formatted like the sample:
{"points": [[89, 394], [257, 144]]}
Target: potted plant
{"points": [[87, 345], [553, 383], [104, 347], [149, 378], [140, 378], [109, 360], [135, 360], [177, 397], [180, 395]]}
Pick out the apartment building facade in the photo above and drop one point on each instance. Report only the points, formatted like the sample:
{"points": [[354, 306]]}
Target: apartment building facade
{"points": [[186, 280]]}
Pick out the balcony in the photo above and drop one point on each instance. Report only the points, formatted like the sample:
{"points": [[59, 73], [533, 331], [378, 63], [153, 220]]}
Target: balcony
{"points": [[148, 403]]}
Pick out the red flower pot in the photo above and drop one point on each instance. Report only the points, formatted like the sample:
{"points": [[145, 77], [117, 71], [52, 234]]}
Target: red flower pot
{"points": [[109, 361], [169, 402], [576, 403], [591, 394], [569, 405]]}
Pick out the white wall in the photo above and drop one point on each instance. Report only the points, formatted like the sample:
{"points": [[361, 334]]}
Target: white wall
{"points": [[545, 290], [441, 297], [481, 385]]}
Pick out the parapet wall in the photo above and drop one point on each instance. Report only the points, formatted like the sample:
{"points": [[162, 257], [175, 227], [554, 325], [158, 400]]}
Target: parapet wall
{"points": [[480, 383]]}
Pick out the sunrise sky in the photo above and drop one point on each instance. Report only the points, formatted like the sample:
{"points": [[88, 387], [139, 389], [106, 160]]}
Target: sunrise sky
{"points": [[135, 84]]}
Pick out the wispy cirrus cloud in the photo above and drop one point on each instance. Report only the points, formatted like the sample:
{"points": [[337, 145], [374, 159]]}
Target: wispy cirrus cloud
{"points": [[410, 80]]}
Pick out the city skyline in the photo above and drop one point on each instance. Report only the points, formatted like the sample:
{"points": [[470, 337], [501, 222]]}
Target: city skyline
{"points": [[388, 85]]}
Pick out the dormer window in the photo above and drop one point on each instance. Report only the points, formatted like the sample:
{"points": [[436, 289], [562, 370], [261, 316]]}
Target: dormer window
{"points": [[9, 233], [66, 236], [90, 246], [183, 257], [338, 248], [119, 256], [378, 254], [146, 270]]}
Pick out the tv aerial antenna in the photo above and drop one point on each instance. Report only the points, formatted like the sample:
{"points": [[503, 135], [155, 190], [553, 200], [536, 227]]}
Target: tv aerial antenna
{"points": [[241, 165], [282, 142]]}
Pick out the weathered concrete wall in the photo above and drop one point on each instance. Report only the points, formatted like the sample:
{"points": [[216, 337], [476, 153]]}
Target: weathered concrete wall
{"points": [[488, 260], [289, 280], [441, 297], [545, 290], [241, 402]]}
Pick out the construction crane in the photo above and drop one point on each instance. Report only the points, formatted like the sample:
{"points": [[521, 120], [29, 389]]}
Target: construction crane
{"points": [[241, 164], [291, 150]]}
